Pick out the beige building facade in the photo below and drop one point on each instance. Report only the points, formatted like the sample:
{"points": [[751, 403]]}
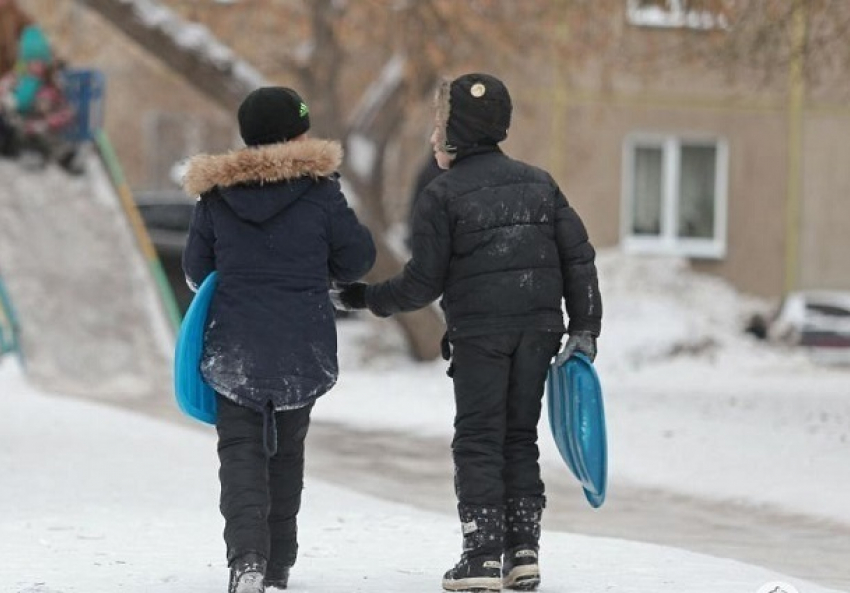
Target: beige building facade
{"points": [[747, 178]]}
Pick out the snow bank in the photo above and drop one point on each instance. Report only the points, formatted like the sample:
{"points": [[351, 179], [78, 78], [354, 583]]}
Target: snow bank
{"points": [[658, 308], [91, 319]]}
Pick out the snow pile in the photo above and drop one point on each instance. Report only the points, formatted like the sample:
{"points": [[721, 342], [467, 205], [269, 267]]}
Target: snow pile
{"points": [[656, 308], [91, 321]]}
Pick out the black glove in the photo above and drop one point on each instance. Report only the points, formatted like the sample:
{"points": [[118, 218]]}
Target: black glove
{"points": [[583, 342], [349, 297]]}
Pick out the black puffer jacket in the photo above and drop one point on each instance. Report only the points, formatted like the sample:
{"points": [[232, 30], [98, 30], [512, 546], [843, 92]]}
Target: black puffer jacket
{"points": [[273, 221], [498, 240]]}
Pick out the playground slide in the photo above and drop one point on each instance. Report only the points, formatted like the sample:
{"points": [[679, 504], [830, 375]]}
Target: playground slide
{"points": [[92, 321]]}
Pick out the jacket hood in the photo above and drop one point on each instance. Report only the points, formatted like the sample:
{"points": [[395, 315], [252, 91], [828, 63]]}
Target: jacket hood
{"points": [[258, 203], [261, 165], [258, 182]]}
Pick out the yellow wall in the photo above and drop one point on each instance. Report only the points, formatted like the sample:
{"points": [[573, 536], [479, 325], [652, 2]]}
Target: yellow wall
{"points": [[825, 244]]}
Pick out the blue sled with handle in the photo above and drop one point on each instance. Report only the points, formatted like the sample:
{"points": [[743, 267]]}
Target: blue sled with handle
{"points": [[194, 397], [577, 420]]}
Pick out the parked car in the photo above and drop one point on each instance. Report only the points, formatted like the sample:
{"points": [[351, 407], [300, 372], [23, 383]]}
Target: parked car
{"points": [[167, 215], [815, 319]]}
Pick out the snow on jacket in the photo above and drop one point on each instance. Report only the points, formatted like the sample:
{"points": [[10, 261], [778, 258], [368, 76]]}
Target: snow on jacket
{"points": [[273, 221], [498, 240]]}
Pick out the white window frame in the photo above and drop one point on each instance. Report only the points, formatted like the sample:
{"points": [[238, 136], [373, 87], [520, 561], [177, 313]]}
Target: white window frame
{"points": [[674, 16], [667, 242]]}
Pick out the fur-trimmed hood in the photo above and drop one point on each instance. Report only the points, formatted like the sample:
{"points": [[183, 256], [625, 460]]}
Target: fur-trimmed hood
{"points": [[263, 164]]}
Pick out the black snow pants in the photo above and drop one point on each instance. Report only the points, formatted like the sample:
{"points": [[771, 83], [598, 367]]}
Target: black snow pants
{"points": [[261, 493], [499, 381]]}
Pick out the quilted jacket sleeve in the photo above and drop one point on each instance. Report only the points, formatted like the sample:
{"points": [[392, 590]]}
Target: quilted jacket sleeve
{"points": [[352, 247], [578, 268]]}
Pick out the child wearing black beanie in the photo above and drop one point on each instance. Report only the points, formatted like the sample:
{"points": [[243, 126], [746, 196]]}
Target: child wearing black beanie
{"points": [[272, 220]]}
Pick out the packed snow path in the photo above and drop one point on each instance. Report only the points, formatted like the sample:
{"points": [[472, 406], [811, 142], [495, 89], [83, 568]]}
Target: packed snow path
{"points": [[108, 501], [415, 469], [418, 471], [90, 318]]}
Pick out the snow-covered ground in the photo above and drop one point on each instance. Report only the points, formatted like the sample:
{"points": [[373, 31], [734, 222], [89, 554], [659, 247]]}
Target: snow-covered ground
{"points": [[694, 406], [99, 500]]}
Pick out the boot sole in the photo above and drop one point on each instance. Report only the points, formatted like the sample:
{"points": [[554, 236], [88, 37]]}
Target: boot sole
{"points": [[522, 578], [250, 583], [474, 584]]}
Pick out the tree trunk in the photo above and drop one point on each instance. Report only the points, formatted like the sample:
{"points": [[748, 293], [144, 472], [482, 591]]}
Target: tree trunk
{"points": [[375, 122]]}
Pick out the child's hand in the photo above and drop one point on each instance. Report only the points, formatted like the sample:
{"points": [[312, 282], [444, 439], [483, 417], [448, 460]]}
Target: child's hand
{"points": [[583, 342], [349, 297]]}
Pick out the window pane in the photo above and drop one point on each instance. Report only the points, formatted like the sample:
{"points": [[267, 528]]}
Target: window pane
{"points": [[646, 200], [696, 191]]}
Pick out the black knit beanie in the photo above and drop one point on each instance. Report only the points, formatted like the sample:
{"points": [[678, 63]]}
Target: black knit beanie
{"points": [[272, 114], [479, 111]]}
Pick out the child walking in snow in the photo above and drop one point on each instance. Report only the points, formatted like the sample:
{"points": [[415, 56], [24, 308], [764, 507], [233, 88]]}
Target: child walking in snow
{"points": [[498, 241], [274, 223]]}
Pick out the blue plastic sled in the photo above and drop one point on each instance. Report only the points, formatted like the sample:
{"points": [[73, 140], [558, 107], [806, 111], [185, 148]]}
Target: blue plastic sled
{"points": [[194, 397], [577, 420]]}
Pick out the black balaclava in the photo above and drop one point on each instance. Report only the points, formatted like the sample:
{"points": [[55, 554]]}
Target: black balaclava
{"points": [[479, 112]]}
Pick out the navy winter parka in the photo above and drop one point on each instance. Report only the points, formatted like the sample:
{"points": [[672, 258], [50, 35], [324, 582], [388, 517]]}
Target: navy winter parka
{"points": [[274, 223]]}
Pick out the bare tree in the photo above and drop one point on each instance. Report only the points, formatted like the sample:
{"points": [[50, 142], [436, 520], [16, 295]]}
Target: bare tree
{"points": [[204, 63]]}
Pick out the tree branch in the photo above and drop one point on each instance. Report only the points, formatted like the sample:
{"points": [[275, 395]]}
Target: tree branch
{"points": [[188, 48]]}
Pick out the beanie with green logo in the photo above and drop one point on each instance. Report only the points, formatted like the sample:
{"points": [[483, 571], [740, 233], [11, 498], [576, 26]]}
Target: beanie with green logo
{"points": [[270, 115]]}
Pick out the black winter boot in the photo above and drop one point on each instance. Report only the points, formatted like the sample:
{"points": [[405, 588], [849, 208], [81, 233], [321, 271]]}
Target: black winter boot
{"points": [[521, 570], [247, 573], [277, 576], [480, 565]]}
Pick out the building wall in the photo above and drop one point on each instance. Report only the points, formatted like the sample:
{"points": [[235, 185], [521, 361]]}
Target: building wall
{"points": [[593, 139], [583, 116], [585, 153], [825, 212]]}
